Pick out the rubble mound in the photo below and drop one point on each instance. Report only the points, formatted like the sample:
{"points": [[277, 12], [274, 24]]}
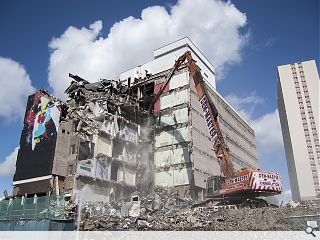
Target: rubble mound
{"points": [[164, 211]]}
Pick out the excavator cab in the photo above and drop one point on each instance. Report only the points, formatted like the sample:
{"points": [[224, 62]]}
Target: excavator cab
{"points": [[214, 185]]}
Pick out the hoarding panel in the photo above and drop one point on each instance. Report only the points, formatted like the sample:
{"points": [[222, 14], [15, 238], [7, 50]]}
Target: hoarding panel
{"points": [[38, 138]]}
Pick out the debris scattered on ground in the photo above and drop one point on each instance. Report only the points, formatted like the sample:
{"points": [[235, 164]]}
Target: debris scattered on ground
{"points": [[163, 211]]}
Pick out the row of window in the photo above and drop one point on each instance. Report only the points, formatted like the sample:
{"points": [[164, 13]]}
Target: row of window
{"points": [[307, 130], [300, 98], [294, 71], [308, 107], [314, 135], [312, 124], [311, 153]]}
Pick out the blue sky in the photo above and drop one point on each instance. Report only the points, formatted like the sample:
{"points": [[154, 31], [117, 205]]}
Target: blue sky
{"points": [[260, 34]]}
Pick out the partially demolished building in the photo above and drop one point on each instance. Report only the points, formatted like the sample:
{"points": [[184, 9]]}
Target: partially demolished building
{"points": [[106, 138], [183, 155], [98, 141]]}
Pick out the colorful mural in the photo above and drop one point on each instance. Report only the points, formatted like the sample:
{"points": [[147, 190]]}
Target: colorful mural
{"points": [[39, 117], [38, 137]]}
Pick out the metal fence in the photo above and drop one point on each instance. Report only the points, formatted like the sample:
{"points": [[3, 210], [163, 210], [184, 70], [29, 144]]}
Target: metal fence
{"points": [[50, 207]]}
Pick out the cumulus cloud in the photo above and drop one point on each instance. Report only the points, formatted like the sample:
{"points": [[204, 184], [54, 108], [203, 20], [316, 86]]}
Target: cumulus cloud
{"points": [[15, 87], [267, 127], [212, 25], [8, 166], [268, 133], [245, 105]]}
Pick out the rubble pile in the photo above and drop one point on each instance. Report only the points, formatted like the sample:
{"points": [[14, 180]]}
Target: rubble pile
{"points": [[164, 211], [89, 104]]}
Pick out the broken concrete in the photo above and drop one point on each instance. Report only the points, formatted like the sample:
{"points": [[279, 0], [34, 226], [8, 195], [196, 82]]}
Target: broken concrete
{"points": [[163, 211]]}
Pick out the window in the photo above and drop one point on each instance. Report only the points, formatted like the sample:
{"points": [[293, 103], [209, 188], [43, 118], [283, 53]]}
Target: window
{"points": [[70, 170], [307, 135], [313, 129], [299, 98], [308, 141], [73, 149], [302, 108], [300, 102], [309, 146], [308, 106], [305, 124], [86, 150], [304, 118], [63, 131], [298, 92], [310, 112], [304, 86]]}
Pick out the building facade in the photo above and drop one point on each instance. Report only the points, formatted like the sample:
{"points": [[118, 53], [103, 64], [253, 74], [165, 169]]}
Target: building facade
{"points": [[183, 155], [298, 104]]}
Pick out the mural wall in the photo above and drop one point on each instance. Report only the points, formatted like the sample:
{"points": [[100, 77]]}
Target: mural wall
{"points": [[38, 138]]}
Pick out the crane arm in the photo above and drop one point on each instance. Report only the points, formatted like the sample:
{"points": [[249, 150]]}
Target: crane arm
{"points": [[210, 112]]}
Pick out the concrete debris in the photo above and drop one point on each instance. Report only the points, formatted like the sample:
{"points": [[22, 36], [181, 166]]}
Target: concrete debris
{"points": [[293, 204], [163, 211]]}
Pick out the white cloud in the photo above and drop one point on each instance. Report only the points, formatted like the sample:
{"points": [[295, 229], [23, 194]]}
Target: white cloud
{"points": [[268, 133], [212, 25], [267, 127], [246, 105], [8, 166], [15, 87]]}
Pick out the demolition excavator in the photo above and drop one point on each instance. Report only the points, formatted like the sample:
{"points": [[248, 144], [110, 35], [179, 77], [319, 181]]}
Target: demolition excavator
{"points": [[242, 187]]}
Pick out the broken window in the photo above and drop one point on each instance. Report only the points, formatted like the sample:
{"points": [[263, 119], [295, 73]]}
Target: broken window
{"points": [[73, 149], [70, 170], [86, 150], [117, 150], [134, 198], [114, 172]]}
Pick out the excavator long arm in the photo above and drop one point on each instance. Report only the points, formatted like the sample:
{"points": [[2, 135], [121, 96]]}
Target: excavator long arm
{"points": [[210, 112]]}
